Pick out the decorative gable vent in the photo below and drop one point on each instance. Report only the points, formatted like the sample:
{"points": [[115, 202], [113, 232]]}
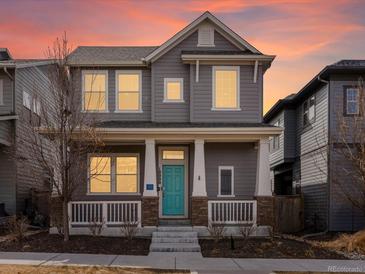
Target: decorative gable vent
{"points": [[206, 36]]}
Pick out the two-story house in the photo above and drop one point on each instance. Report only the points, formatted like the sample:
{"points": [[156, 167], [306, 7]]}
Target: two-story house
{"points": [[23, 86], [306, 157], [182, 124]]}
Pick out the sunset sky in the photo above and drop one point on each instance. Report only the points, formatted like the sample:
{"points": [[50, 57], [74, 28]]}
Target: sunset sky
{"points": [[305, 35]]}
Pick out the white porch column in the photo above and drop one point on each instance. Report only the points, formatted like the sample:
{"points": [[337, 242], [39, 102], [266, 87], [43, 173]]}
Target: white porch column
{"points": [[263, 185], [199, 184], [150, 179]]}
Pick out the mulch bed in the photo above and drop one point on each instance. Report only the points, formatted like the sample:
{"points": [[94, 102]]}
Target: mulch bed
{"points": [[265, 248], [45, 242]]}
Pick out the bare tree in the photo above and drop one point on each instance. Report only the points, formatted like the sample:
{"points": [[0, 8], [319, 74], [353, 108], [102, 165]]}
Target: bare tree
{"points": [[349, 143], [70, 132]]}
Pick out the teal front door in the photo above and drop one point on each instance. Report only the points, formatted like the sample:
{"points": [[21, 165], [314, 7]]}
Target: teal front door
{"points": [[173, 181]]}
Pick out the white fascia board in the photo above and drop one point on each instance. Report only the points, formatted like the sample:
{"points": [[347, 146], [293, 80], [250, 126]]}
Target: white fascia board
{"points": [[236, 57]]}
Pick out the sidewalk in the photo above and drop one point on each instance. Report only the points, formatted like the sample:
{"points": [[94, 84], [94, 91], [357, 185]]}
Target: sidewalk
{"points": [[190, 261]]}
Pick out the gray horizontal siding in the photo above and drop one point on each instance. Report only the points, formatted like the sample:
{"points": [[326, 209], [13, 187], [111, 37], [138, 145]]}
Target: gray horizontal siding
{"points": [[145, 115], [289, 133], [277, 155], [30, 170], [171, 66], [7, 107], [6, 132], [250, 97], [7, 180], [315, 206], [242, 156]]}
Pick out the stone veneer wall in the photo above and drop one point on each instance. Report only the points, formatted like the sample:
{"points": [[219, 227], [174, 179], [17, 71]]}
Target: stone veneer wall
{"points": [[150, 211], [199, 211]]}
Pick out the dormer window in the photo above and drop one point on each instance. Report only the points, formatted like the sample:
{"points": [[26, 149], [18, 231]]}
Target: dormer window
{"points": [[206, 36]]}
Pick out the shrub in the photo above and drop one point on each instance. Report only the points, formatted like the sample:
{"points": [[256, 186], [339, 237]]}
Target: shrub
{"points": [[348, 242], [129, 229], [96, 227], [17, 227], [246, 231], [216, 231]]}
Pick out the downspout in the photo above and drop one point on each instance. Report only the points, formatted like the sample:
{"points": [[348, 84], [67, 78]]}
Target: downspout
{"points": [[328, 163]]}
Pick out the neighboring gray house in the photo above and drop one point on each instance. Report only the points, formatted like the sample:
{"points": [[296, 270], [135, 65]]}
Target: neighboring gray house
{"points": [[23, 85], [304, 158], [182, 123]]}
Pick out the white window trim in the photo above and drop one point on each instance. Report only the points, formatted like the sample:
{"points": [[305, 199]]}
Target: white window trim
{"points": [[106, 110], [30, 99], [357, 101], [310, 121], [211, 30], [113, 181], [229, 68], [220, 168], [117, 72], [1, 92], [181, 81]]}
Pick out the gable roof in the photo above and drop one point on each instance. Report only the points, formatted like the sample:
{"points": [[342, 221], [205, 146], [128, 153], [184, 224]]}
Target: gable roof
{"points": [[340, 67], [5, 54], [86, 56], [142, 55], [222, 29]]}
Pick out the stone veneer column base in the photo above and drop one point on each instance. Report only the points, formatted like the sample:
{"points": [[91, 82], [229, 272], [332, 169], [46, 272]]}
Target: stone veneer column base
{"points": [[265, 211], [199, 211], [150, 211]]}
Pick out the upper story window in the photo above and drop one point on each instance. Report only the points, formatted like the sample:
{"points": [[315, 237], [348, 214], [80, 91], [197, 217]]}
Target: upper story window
{"points": [[95, 93], [275, 141], [173, 90], [309, 110], [206, 36], [37, 107], [129, 91], [226, 179], [113, 173], [1, 91], [352, 101], [27, 100], [226, 88]]}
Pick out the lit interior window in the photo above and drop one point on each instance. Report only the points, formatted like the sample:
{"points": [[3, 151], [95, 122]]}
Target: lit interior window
{"points": [[126, 174], [100, 174], [226, 89], [94, 91], [129, 91], [173, 155], [174, 90]]}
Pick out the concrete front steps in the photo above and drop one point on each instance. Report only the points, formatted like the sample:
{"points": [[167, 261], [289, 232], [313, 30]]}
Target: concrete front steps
{"points": [[175, 239]]}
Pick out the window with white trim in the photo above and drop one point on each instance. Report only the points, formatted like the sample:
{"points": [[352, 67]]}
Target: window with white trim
{"points": [[95, 90], [37, 106], [226, 179], [309, 110], [110, 174], [129, 89], [1, 91], [27, 100], [173, 90], [276, 139], [352, 101], [226, 88]]}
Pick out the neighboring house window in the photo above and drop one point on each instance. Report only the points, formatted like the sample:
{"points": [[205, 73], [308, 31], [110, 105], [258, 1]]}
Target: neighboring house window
{"points": [[226, 179], [113, 174], [309, 110], [129, 89], [352, 101], [276, 139], [37, 106], [95, 90], [226, 88], [173, 90], [1, 92], [27, 100], [127, 174], [100, 174], [206, 36]]}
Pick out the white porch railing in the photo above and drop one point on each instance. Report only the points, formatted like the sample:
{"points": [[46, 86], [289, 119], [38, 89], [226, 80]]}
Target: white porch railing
{"points": [[107, 212], [232, 212]]}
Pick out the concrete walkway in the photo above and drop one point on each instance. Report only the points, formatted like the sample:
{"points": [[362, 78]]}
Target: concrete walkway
{"points": [[183, 260]]}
